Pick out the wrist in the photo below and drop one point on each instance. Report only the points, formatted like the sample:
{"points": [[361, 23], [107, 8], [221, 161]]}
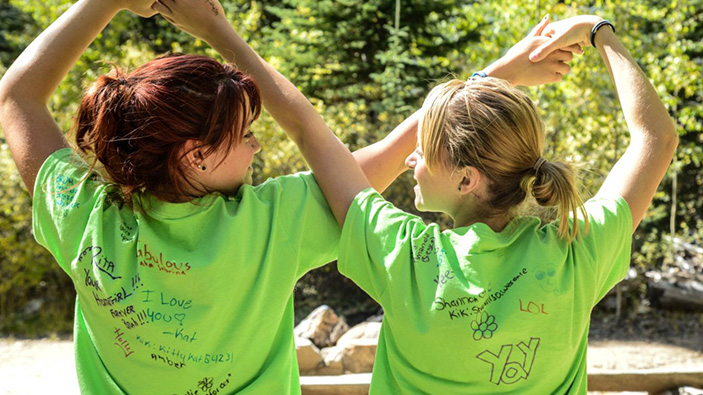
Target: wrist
{"points": [[219, 33], [604, 37], [499, 69], [113, 6], [599, 29]]}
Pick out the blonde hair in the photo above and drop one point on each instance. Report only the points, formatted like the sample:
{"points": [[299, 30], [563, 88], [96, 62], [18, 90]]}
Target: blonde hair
{"points": [[488, 124]]}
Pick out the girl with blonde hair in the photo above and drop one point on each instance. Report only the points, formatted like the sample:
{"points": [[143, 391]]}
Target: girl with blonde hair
{"points": [[501, 303]]}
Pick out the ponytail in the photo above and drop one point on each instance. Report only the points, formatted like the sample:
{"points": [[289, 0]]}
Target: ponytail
{"points": [[487, 124], [99, 129], [555, 185]]}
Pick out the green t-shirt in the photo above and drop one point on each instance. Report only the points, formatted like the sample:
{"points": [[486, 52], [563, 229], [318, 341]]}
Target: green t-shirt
{"points": [[193, 298], [469, 310]]}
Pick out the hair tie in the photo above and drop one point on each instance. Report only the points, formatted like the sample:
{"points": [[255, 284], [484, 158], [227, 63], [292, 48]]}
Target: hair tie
{"points": [[538, 164]]}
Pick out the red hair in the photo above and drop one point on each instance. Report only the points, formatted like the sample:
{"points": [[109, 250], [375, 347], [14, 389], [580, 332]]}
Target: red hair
{"points": [[136, 125]]}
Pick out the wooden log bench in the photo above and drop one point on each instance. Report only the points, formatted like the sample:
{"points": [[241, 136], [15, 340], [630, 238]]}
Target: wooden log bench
{"points": [[652, 381]]}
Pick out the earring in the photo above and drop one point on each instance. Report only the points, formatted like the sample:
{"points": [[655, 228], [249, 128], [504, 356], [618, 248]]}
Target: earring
{"points": [[202, 167]]}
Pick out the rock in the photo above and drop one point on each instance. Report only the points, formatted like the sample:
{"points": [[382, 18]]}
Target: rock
{"points": [[332, 357], [365, 330], [322, 326], [355, 356], [358, 355], [376, 318], [309, 358]]}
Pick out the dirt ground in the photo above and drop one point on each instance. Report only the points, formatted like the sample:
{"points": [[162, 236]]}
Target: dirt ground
{"points": [[676, 341], [47, 366]]}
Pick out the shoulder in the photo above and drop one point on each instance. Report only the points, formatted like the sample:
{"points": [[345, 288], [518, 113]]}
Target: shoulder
{"points": [[608, 215], [371, 211], [64, 177], [604, 206], [301, 182]]}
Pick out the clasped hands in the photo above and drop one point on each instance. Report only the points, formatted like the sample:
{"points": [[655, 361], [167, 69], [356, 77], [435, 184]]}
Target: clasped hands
{"points": [[541, 57]]}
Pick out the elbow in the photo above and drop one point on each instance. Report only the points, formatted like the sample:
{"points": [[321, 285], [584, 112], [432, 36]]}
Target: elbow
{"points": [[672, 139], [6, 86], [4, 94], [4, 100], [663, 138], [8, 93]]}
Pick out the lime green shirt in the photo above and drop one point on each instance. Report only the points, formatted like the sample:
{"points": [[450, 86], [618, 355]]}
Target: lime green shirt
{"points": [[469, 310], [191, 298]]}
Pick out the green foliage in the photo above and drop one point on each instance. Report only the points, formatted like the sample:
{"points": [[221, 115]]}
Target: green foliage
{"points": [[365, 71]]}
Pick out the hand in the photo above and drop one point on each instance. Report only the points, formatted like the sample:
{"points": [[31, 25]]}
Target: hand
{"points": [[519, 70], [199, 18], [571, 31], [142, 8]]}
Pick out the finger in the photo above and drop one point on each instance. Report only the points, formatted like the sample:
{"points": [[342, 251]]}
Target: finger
{"points": [[537, 30], [548, 31], [562, 56], [575, 48], [161, 8], [169, 20], [545, 49], [562, 68]]}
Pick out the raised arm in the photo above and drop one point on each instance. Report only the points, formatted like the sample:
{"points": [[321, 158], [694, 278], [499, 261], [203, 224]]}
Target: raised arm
{"points": [[653, 137], [335, 169], [25, 89], [338, 177], [384, 161]]}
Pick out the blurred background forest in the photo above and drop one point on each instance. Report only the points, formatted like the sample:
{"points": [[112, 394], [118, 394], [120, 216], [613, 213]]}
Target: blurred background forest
{"points": [[366, 65]]}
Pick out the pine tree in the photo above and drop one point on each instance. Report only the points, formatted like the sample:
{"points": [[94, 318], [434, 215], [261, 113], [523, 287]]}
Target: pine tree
{"points": [[341, 51]]}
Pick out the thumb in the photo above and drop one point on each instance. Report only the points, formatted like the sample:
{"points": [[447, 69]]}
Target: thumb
{"points": [[537, 30], [545, 49]]}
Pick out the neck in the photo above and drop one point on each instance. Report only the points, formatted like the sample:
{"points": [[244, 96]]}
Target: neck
{"points": [[469, 214], [497, 224]]}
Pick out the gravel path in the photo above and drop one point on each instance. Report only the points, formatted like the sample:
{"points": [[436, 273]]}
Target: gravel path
{"points": [[30, 367]]}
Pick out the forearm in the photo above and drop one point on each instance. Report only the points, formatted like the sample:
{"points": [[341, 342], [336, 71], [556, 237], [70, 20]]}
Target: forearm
{"points": [[25, 89], [286, 104], [636, 176], [383, 161], [37, 72], [334, 167], [646, 116]]}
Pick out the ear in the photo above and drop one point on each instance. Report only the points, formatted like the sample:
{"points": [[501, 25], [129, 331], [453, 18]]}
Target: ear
{"points": [[192, 154], [470, 180]]}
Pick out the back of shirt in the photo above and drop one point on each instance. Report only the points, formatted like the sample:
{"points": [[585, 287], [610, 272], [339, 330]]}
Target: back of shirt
{"points": [[183, 298], [470, 310]]}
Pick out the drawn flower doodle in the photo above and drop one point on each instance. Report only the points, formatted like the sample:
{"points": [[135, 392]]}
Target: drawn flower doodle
{"points": [[484, 326], [206, 383]]}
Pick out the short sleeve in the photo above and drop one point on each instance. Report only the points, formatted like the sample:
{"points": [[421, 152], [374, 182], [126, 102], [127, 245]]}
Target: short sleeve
{"points": [[608, 242], [64, 197], [377, 243], [308, 221]]}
